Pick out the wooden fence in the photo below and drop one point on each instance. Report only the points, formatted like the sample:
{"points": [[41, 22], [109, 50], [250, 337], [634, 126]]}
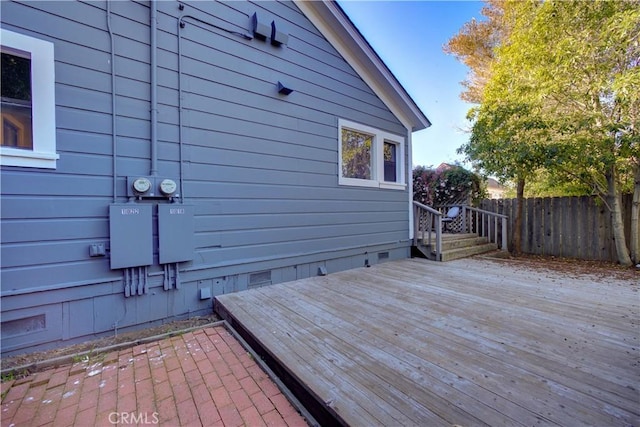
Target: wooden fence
{"points": [[572, 227]]}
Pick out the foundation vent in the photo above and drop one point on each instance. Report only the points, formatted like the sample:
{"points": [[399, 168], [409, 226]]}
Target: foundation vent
{"points": [[27, 325], [260, 278]]}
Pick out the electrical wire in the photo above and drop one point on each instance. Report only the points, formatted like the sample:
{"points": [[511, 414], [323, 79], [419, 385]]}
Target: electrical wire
{"points": [[114, 142]]}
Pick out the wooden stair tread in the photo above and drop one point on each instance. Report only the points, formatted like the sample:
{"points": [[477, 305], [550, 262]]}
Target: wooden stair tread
{"points": [[456, 246]]}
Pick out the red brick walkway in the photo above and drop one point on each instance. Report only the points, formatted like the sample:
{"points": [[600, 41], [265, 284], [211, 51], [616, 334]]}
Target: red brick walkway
{"points": [[200, 378]]}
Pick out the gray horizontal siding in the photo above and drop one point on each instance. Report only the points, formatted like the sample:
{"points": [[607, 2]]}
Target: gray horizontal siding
{"points": [[260, 169], [225, 223], [26, 231]]}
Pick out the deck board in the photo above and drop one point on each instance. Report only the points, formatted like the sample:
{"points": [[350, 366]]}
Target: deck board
{"points": [[469, 342]]}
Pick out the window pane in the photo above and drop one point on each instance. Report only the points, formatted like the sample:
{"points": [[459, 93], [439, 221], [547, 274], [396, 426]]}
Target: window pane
{"points": [[16, 102], [390, 163], [16, 125], [356, 154], [16, 77]]}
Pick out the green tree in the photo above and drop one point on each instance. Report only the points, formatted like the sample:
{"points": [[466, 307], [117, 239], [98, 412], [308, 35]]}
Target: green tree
{"points": [[504, 143], [475, 46], [506, 128], [583, 58], [563, 94]]}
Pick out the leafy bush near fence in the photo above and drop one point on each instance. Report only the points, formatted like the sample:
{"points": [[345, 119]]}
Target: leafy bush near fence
{"points": [[444, 186]]}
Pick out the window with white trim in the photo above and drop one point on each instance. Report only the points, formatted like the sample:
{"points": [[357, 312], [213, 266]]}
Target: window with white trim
{"points": [[369, 157], [28, 131]]}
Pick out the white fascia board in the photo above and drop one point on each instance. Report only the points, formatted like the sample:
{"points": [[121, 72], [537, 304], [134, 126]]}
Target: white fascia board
{"points": [[409, 179], [347, 40]]}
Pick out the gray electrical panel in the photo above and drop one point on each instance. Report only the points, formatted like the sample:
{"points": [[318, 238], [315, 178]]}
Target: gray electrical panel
{"points": [[131, 234], [175, 233]]}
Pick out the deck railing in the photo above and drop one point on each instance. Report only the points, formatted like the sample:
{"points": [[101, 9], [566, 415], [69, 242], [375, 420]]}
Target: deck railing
{"points": [[485, 224], [428, 228], [427, 222]]}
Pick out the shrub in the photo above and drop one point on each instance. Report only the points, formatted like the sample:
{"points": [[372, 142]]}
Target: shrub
{"points": [[447, 185]]}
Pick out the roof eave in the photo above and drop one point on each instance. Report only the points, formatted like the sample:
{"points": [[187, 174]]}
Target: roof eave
{"points": [[335, 25]]}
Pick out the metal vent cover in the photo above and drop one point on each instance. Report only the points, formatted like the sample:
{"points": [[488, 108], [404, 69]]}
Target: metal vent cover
{"points": [[259, 278]]}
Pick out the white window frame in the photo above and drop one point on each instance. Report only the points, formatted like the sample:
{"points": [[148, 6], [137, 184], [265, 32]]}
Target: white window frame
{"points": [[377, 153], [399, 143], [43, 105]]}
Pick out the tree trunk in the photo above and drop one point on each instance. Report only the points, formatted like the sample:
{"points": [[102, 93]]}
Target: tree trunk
{"points": [[616, 218], [517, 222], [635, 213]]}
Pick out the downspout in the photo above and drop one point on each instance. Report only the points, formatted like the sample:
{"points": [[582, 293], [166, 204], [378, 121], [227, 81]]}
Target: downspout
{"points": [[154, 86], [113, 103]]}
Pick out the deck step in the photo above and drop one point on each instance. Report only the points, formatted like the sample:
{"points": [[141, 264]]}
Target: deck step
{"points": [[463, 242], [468, 251], [455, 246]]}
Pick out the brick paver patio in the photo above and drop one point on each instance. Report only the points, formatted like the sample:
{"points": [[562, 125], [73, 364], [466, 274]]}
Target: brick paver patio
{"points": [[203, 377]]}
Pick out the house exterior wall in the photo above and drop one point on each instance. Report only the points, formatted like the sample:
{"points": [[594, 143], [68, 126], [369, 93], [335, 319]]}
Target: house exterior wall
{"points": [[260, 169]]}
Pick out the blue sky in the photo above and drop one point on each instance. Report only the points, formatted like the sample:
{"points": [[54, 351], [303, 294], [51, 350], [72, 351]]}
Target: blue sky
{"points": [[408, 36]]}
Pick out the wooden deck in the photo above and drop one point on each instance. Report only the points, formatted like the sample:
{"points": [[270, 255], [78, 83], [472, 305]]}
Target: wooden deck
{"points": [[470, 342]]}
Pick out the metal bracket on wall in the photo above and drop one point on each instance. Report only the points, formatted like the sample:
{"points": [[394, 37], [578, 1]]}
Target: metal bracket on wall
{"points": [[171, 279], [136, 281]]}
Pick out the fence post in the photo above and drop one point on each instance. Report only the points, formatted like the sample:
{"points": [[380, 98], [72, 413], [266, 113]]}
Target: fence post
{"points": [[504, 234]]}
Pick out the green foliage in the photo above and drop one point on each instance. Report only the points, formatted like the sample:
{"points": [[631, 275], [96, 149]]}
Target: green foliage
{"points": [[544, 184], [564, 81], [356, 154], [563, 95], [12, 375], [436, 187], [584, 57], [475, 45], [9, 376], [504, 140]]}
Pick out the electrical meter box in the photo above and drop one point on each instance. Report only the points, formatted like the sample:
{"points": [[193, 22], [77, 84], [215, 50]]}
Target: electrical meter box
{"points": [[131, 234], [175, 233]]}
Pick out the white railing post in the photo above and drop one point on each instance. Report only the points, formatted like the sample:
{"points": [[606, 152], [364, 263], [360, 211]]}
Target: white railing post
{"points": [[464, 218], [475, 227], [416, 225], [429, 222], [432, 215], [483, 225], [439, 239]]}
